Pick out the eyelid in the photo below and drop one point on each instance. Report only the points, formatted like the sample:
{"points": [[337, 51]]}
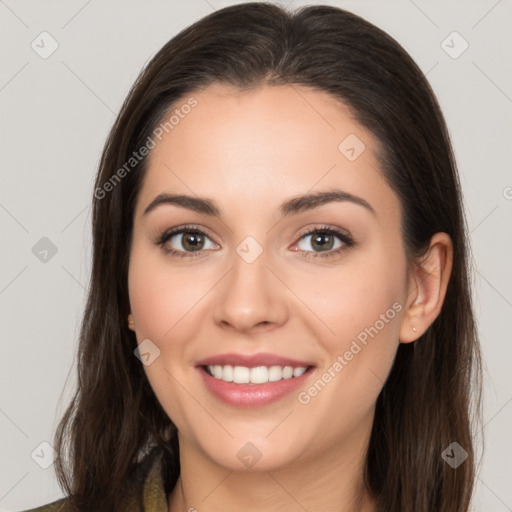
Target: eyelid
{"points": [[166, 234], [324, 228]]}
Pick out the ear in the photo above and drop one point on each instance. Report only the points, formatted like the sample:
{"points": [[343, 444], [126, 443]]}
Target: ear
{"points": [[428, 280], [131, 324]]}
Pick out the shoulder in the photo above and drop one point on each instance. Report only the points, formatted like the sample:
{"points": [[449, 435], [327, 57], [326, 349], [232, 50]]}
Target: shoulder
{"points": [[55, 506], [144, 489]]}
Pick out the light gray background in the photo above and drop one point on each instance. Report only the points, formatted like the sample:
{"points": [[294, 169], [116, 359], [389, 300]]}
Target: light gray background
{"points": [[56, 113]]}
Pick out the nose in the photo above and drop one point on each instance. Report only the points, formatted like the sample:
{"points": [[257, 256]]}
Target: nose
{"points": [[251, 297]]}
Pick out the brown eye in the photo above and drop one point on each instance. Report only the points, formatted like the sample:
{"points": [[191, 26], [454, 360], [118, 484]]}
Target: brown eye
{"points": [[192, 241], [324, 240], [185, 242]]}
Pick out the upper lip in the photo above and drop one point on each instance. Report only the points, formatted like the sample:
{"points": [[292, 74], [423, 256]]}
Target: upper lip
{"points": [[252, 360]]}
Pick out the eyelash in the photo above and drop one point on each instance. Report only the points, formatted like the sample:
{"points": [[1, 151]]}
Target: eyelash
{"points": [[347, 241]]}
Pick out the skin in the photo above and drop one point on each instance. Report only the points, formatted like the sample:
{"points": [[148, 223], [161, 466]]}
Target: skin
{"points": [[249, 152]]}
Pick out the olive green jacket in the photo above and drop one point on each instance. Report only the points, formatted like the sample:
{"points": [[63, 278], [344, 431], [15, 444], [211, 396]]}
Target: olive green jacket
{"points": [[147, 494]]}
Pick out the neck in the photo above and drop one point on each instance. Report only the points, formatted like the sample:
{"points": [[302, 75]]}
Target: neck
{"points": [[334, 481]]}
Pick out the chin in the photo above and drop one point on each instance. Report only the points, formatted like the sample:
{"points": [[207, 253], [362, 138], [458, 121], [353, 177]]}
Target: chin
{"points": [[253, 454]]}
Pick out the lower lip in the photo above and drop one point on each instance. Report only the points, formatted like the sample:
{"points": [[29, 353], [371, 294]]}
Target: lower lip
{"points": [[252, 395]]}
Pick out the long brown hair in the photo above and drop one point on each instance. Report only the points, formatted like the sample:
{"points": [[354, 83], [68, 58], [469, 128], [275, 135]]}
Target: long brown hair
{"points": [[433, 392]]}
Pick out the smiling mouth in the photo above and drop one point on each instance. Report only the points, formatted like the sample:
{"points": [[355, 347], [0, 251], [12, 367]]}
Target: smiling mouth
{"points": [[254, 375]]}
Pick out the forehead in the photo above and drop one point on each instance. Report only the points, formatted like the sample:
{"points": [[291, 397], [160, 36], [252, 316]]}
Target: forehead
{"points": [[268, 143]]}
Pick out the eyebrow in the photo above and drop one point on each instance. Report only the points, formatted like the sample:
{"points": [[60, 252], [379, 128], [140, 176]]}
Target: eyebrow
{"points": [[290, 207]]}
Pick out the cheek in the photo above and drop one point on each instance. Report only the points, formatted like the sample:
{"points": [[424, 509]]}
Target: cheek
{"points": [[360, 305], [356, 295], [162, 301], [161, 295]]}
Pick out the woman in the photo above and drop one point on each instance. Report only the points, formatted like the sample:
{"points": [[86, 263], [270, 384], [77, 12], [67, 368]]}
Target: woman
{"points": [[280, 313]]}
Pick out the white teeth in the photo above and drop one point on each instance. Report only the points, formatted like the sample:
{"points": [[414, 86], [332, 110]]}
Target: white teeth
{"points": [[297, 372], [241, 375], [259, 375], [256, 375], [275, 373], [227, 373], [287, 372]]}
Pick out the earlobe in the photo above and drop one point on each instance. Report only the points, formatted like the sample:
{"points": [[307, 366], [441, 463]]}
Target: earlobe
{"points": [[131, 324], [429, 279]]}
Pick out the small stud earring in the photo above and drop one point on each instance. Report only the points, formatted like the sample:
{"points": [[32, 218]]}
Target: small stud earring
{"points": [[414, 329]]}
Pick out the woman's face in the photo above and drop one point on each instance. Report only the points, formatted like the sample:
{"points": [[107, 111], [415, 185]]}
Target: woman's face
{"points": [[248, 286]]}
